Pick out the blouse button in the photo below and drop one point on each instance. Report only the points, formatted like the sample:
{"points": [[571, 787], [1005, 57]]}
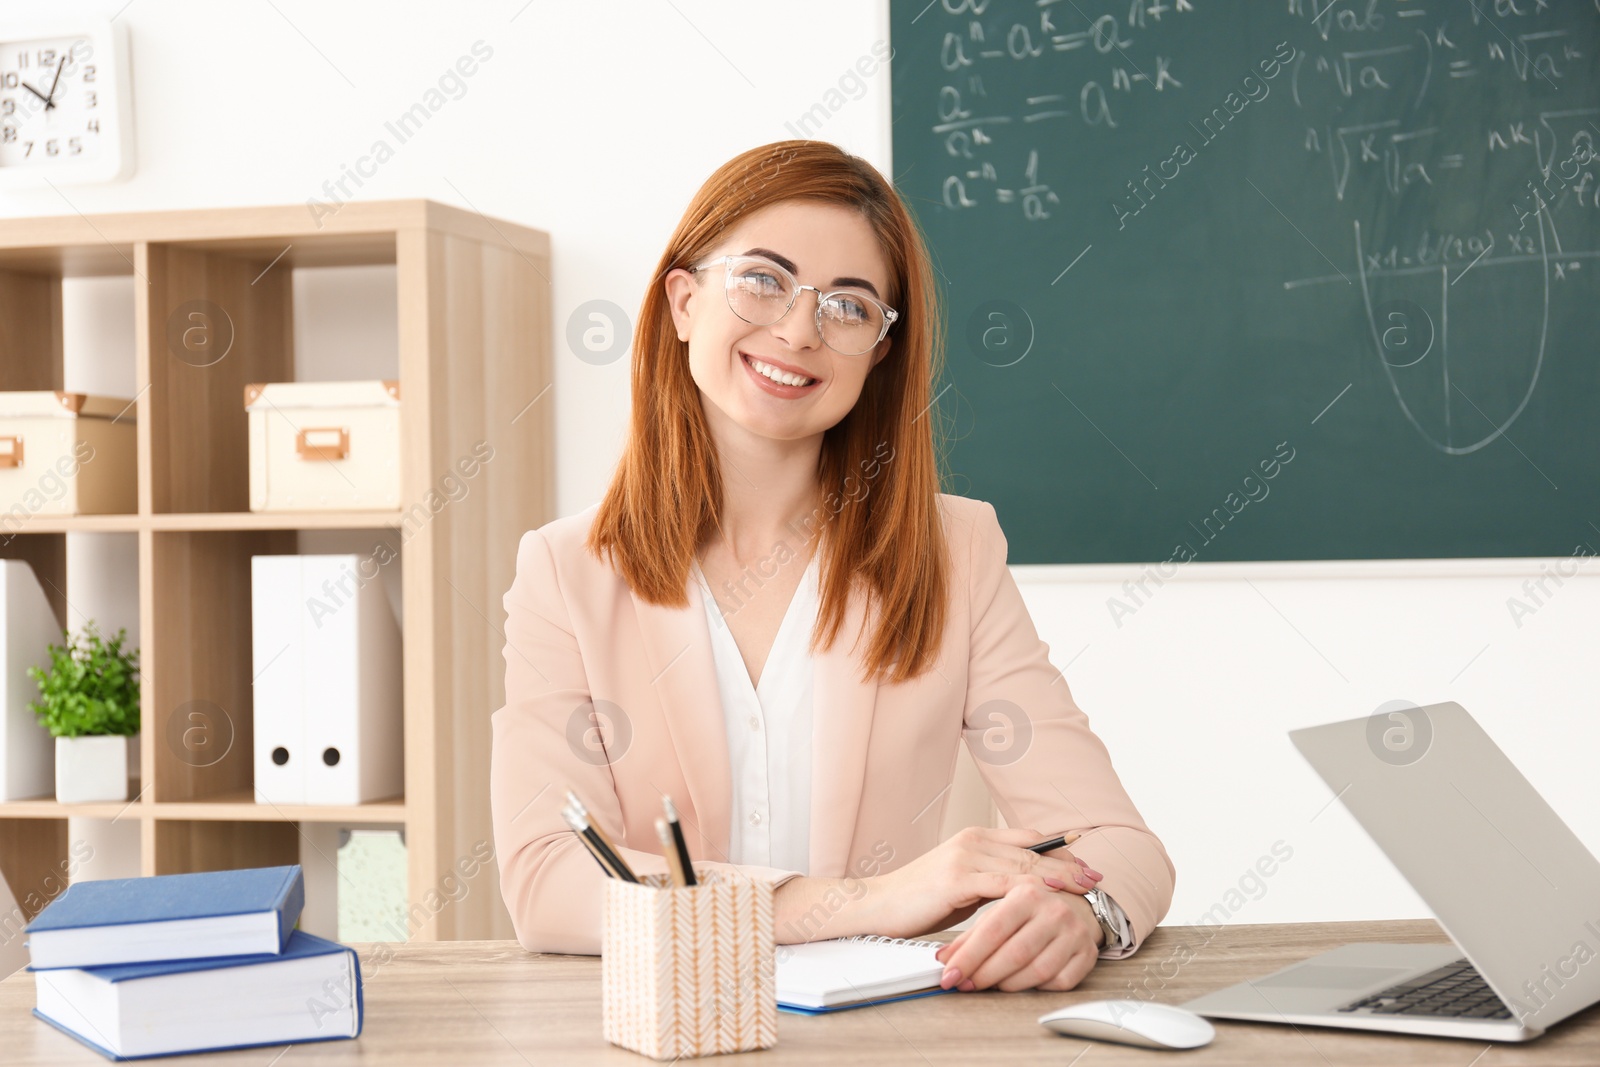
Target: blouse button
{"points": [[755, 723], [755, 818]]}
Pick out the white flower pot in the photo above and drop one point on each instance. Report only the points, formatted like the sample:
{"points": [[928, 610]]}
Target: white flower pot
{"points": [[95, 768]]}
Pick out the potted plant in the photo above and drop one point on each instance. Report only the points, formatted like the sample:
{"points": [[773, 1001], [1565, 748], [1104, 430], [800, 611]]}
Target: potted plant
{"points": [[89, 701]]}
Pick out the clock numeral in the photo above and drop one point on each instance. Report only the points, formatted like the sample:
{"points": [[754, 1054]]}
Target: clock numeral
{"points": [[76, 146], [94, 126], [22, 59], [50, 148], [8, 134], [28, 151], [47, 57], [9, 80], [8, 106], [90, 100], [88, 73]]}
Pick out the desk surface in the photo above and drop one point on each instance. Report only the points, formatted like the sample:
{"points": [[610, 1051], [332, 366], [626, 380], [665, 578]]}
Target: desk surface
{"points": [[490, 1002]]}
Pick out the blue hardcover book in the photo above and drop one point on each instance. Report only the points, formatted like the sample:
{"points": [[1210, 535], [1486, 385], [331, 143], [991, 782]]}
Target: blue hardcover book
{"points": [[311, 991], [168, 917]]}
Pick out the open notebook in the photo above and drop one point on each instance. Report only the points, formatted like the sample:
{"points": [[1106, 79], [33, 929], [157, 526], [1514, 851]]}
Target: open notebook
{"points": [[851, 972]]}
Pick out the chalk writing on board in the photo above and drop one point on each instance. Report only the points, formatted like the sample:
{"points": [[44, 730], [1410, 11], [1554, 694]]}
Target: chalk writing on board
{"points": [[1449, 401], [1394, 240], [1395, 160], [1361, 84], [1106, 63]]}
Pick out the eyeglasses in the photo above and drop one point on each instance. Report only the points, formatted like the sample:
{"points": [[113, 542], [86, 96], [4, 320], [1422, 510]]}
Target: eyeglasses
{"points": [[761, 292]]}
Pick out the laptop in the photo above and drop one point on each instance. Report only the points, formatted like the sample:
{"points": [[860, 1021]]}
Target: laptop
{"points": [[1512, 886]]}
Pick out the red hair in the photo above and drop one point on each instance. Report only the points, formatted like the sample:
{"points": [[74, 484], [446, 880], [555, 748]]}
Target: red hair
{"points": [[666, 495]]}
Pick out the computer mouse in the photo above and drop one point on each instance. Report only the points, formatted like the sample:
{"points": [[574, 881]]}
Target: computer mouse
{"points": [[1132, 1022]]}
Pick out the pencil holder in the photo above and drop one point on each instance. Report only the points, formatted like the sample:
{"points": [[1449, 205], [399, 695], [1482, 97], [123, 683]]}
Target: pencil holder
{"points": [[688, 971]]}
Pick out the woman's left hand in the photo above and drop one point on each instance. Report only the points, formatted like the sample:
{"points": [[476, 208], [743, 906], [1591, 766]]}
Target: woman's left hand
{"points": [[1034, 937]]}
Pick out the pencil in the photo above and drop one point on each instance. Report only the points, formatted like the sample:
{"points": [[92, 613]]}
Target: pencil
{"points": [[1055, 842]]}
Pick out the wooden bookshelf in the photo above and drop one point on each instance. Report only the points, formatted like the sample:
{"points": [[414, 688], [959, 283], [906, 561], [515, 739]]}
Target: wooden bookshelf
{"points": [[474, 351]]}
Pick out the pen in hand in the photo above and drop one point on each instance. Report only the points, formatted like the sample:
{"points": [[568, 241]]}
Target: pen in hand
{"points": [[1053, 843]]}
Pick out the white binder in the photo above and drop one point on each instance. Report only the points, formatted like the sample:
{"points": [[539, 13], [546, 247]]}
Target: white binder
{"points": [[27, 628], [353, 725], [328, 724], [277, 657]]}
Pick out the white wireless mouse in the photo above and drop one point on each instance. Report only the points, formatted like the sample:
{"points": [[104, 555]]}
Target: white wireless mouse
{"points": [[1132, 1022]]}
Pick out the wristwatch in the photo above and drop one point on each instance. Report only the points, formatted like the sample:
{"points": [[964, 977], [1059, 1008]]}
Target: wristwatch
{"points": [[1102, 914]]}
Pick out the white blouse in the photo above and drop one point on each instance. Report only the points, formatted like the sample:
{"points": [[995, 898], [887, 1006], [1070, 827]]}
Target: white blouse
{"points": [[768, 728], [769, 733]]}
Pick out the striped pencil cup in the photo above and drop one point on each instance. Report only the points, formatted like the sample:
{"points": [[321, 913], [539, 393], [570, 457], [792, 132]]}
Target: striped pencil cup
{"points": [[688, 971]]}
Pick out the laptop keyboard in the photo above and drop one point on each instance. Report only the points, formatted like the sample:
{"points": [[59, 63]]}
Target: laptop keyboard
{"points": [[1455, 990]]}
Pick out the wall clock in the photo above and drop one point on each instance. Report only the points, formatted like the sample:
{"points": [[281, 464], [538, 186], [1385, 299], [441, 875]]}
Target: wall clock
{"points": [[66, 106]]}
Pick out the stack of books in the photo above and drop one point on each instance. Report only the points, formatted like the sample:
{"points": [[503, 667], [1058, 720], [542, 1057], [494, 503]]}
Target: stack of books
{"points": [[176, 963]]}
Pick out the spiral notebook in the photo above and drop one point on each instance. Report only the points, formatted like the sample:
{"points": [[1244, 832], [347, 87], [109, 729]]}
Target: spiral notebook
{"points": [[852, 972]]}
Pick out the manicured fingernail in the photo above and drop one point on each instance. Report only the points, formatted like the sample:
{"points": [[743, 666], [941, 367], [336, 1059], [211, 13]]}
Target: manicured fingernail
{"points": [[1084, 880], [968, 986], [1053, 883], [1092, 873], [951, 976]]}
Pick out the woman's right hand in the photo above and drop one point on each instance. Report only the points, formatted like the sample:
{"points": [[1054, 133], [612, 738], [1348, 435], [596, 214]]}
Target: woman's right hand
{"points": [[950, 881]]}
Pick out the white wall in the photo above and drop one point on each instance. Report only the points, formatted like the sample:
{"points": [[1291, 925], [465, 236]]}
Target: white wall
{"points": [[596, 122], [1194, 694]]}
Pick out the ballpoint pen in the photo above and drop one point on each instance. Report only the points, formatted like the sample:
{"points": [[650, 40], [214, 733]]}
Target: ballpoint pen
{"points": [[678, 844], [669, 849], [598, 838], [576, 823]]}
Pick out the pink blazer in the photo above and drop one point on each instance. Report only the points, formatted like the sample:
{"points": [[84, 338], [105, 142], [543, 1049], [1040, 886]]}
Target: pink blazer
{"points": [[883, 755]]}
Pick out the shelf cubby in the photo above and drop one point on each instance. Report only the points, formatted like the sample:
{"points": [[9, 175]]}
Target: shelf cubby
{"points": [[33, 858], [30, 328], [206, 306], [185, 846], [46, 553], [197, 663]]}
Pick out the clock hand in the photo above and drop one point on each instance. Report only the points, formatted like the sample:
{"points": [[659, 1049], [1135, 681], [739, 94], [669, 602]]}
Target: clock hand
{"points": [[59, 68], [37, 93]]}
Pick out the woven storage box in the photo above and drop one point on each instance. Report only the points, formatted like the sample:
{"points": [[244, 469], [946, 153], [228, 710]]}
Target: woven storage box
{"points": [[324, 446], [66, 454], [688, 971]]}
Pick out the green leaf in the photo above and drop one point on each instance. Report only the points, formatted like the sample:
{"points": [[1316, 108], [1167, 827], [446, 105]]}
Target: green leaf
{"points": [[91, 687]]}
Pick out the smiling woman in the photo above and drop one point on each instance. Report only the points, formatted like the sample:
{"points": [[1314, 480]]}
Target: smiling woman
{"points": [[807, 725]]}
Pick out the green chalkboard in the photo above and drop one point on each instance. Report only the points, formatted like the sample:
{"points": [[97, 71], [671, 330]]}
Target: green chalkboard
{"points": [[1258, 280]]}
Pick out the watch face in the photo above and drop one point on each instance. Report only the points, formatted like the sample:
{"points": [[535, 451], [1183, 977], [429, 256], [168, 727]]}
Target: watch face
{"points": [[50, 107], [1102, 914]]}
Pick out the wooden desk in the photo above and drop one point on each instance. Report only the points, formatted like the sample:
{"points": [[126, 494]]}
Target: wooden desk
{"points": [[489, 1002]]}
